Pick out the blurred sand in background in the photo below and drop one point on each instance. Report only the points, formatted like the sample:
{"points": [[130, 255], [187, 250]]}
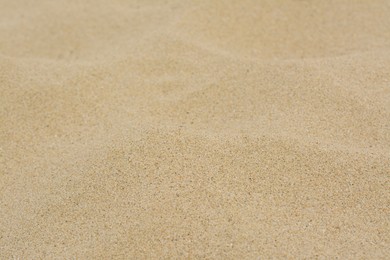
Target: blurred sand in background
{"points": [[194, 129]]}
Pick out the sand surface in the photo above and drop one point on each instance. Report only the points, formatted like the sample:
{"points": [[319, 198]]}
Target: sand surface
{"points": [[194, 129]]}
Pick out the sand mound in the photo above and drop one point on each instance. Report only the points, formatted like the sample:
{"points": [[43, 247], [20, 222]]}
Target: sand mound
{"points": [[194, 129]]}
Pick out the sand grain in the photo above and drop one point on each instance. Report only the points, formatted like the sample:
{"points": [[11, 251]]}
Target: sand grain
{"points": [[194, 129]]}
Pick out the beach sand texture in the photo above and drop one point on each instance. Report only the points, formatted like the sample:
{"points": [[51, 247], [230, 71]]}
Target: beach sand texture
{"points": [[194, 129]]}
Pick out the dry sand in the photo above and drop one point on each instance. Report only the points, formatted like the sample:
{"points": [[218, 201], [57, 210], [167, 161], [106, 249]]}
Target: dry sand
{"points": [[194, 129]]}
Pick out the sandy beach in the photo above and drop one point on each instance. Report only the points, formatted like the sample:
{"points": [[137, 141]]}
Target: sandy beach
{"points": [[173, 129]]}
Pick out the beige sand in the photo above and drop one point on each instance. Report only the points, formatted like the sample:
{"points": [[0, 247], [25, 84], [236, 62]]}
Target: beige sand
{"points": [[194, 129]]}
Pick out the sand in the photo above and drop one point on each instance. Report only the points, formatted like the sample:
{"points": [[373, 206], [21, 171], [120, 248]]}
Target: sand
{"points": [[194, 129]]}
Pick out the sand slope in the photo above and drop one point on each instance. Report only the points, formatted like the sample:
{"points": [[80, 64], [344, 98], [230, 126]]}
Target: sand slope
{"points": [[194, 129]]}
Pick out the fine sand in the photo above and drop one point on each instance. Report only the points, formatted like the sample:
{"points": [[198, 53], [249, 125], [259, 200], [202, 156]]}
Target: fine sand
{"points": [[194, 129]]}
